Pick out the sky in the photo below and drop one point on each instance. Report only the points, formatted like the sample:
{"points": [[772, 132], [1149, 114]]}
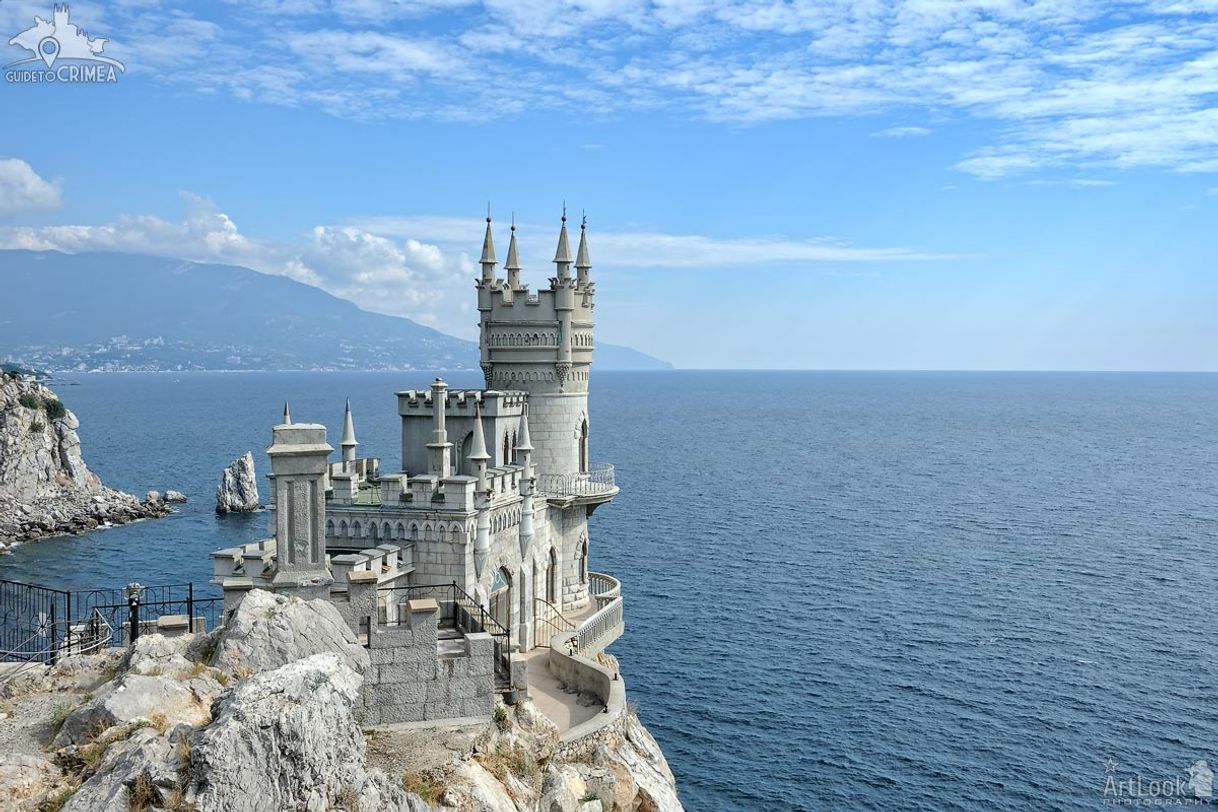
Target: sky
{"points": [[931, 184]]}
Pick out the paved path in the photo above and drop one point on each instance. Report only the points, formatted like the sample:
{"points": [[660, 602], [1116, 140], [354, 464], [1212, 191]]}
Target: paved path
{"points": [[564, 709]]}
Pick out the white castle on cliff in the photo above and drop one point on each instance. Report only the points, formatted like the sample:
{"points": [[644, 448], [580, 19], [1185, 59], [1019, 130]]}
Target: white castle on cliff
{"points": [[477, 547]]}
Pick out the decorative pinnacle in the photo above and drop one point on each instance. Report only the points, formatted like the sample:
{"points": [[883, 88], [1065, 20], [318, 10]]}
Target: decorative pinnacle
{"points": [[477, 452], [488, 245], [562, 256], [287, 414], [348, 427], [582, 262]]}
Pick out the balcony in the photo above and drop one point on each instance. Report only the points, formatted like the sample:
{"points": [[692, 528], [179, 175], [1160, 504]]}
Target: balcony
{"points": [[593, 487]]}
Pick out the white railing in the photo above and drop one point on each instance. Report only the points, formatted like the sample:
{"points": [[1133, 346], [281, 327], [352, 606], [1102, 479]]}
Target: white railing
{"points": [[599, 629], [603, 588], [598, 479]]}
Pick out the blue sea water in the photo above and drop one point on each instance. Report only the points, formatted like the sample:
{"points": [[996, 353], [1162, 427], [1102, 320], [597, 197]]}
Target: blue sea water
{"points": [[927, 591]]}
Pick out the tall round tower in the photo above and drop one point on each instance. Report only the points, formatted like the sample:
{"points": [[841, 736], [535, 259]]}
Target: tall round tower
{"points": [[542, 343]]}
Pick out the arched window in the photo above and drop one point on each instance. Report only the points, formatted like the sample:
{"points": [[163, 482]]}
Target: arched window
{"points": [[515, 442], [583, 562], [583, 447], [507, 448], [552, 578]]}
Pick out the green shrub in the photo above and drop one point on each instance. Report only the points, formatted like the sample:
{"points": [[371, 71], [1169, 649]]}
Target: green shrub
{"points": [[59, 714], [54, 408], [29, 400], [36, 427], [501, 717]]}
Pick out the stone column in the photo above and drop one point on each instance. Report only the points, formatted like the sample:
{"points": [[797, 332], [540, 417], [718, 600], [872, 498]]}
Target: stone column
{"points": [[299, 455]]}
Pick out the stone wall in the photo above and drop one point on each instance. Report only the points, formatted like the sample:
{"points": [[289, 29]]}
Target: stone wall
{"points": [[409, 680], [587, 677]]}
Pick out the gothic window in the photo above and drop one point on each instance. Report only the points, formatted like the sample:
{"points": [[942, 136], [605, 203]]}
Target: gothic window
{"points": [[507, 447], [514, 443], [552, 578], [583, 562], [583, 447]]}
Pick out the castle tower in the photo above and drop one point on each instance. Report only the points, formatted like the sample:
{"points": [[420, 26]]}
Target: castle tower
{"points": [[299, 454], [542, 344]]}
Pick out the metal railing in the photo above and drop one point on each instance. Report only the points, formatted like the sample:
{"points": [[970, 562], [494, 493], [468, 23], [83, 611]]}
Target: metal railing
{"points": [[458, 607], [597, 480], [548, 621], [41, 624]]}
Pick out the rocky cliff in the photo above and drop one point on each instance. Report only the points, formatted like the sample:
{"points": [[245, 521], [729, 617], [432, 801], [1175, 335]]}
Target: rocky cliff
{"points": [[45, 486], [238, 488], [228, 722]]}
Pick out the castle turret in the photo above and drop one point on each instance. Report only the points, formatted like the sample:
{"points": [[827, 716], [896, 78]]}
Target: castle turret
{"points": [[348, 442], [299, 455], [542, 344], [439, 449]]}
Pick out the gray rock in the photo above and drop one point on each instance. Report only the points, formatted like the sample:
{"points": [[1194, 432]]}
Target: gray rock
{"points": [[152, 496], [174, 496], [109, 789], [238, 489], [132, 697], [286, 739], [268, 630], [45, 486]]}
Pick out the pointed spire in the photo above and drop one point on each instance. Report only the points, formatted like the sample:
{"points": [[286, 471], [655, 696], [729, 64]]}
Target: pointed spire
{"points": [[581, 256], [523, 443], [488, 245], [478, 447], [348, 428], [513, 260], [562, 256], [287, 414]]}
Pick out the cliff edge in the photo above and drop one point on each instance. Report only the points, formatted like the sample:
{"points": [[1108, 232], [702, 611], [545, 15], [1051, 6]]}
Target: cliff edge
{"points": [[211, 723], [45, 487]]}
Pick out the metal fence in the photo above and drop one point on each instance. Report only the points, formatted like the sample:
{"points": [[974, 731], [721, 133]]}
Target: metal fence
{"points": [[459, 608], [598, 479], [41, 624]]}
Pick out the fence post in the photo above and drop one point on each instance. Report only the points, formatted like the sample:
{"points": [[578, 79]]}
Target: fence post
{"points": [[133, 612], [54, 643], [190, 608]]}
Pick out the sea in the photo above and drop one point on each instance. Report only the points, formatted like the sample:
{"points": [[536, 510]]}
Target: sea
{"points": [[843, 590]]}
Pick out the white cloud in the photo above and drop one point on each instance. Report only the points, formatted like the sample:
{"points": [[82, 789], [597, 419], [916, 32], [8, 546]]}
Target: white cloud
{"points": [[642, 249], [24, 190], [410, 278], [1212, 192], [1061, 84], [420, 267], [904, 132]]}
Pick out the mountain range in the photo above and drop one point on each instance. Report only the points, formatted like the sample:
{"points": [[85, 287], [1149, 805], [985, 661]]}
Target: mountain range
{"points": [[128, 312]]}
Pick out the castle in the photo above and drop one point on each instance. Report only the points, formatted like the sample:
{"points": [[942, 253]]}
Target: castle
{"points": [[477, 547]]}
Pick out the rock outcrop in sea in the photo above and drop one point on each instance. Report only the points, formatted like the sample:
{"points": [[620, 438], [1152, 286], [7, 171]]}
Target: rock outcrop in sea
{"points": [[45, 487], [223, 722], [238, 488]]}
